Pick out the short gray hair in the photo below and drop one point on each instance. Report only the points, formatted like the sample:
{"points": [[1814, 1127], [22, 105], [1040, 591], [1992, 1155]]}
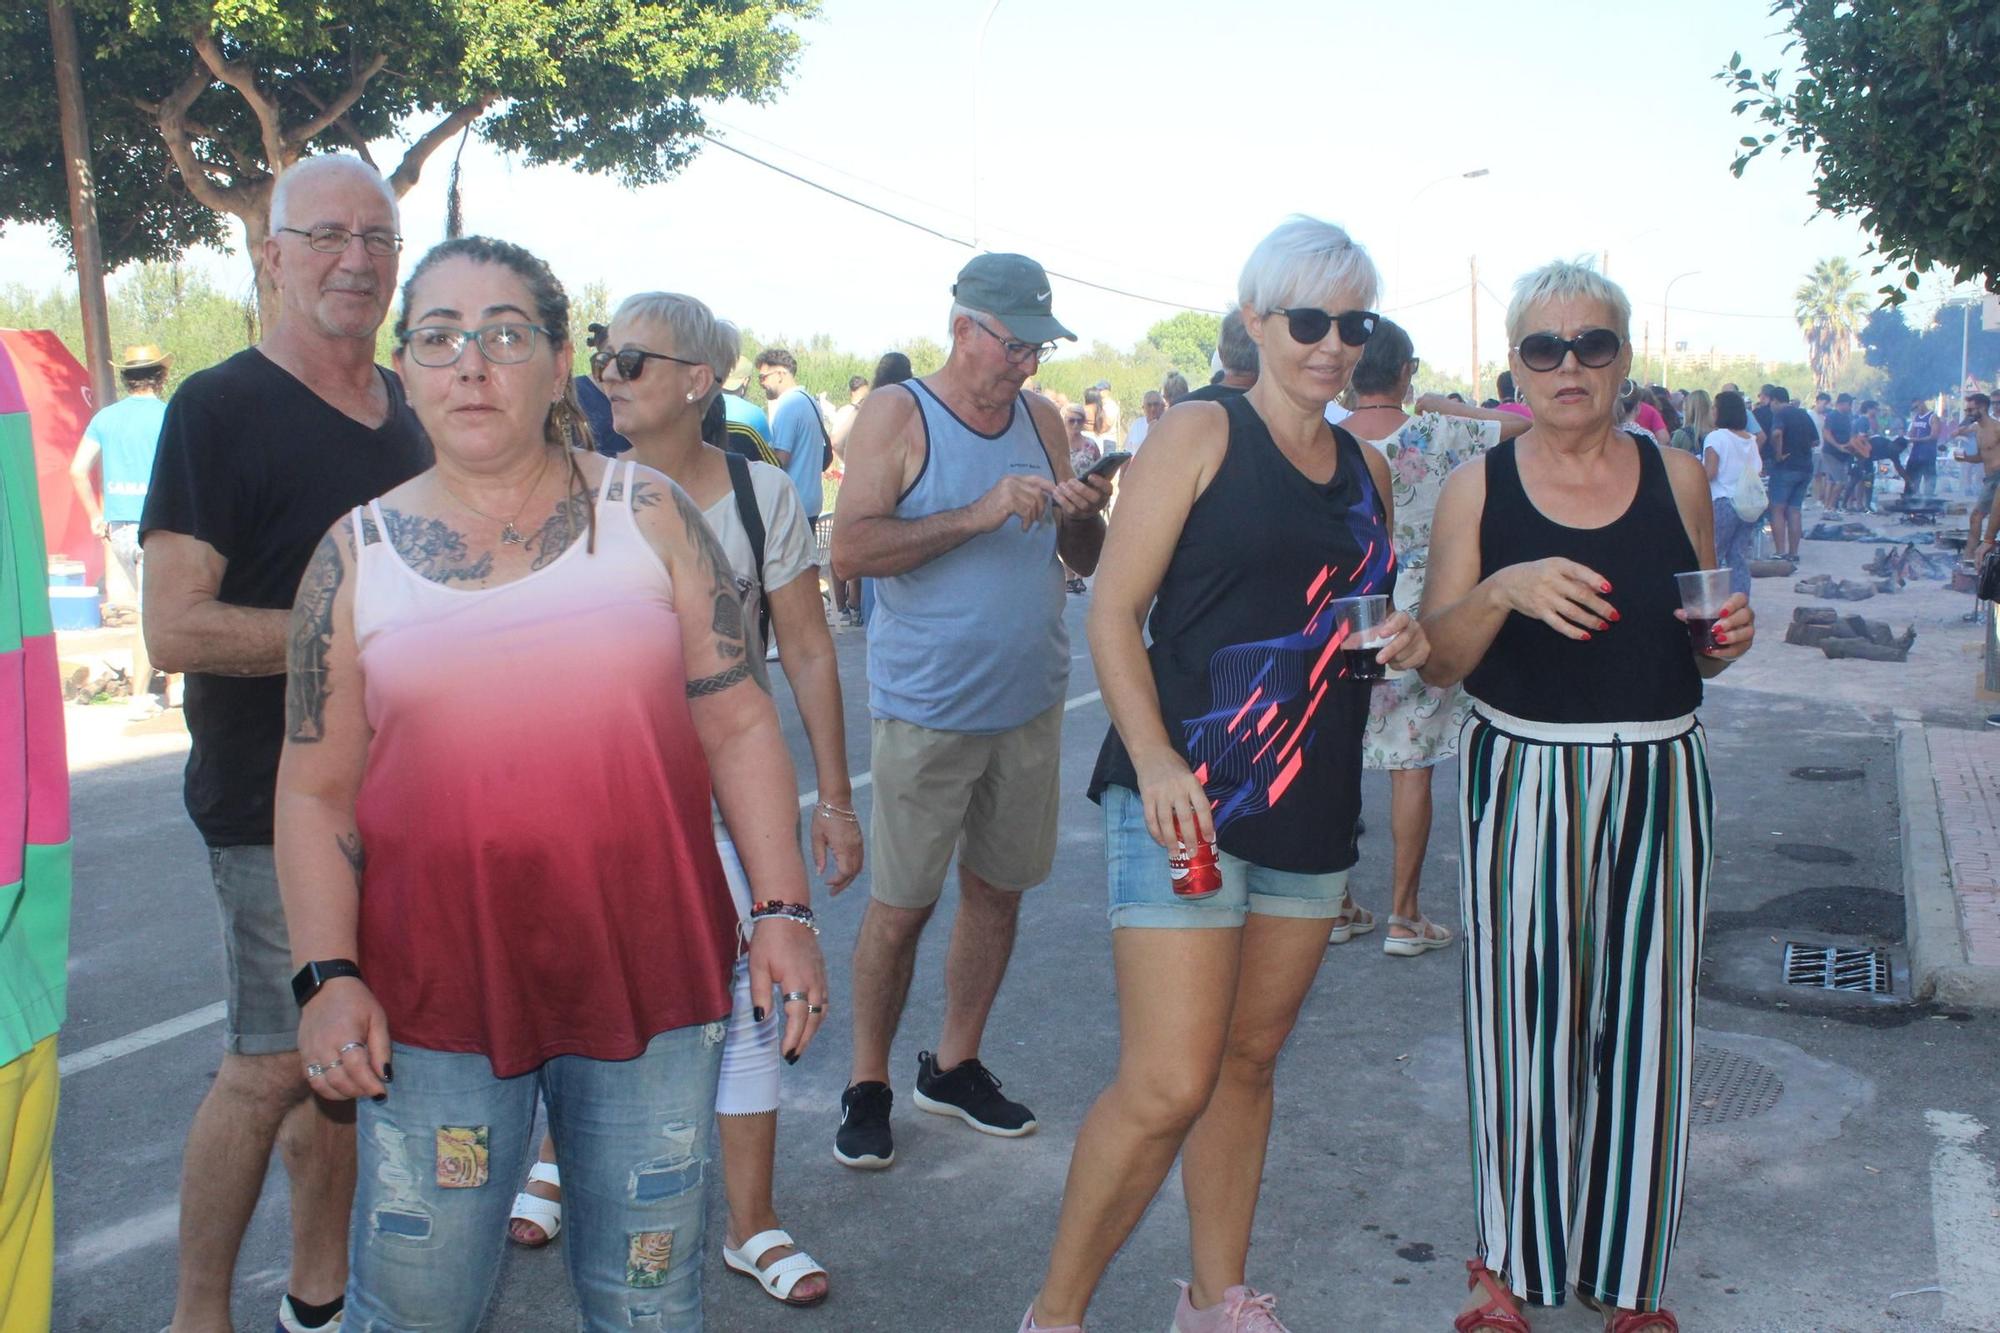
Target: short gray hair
{"points": [[1305, 262], [960, 310], [1234, 346], [334, 164], [1566, 280], [697, 333]]}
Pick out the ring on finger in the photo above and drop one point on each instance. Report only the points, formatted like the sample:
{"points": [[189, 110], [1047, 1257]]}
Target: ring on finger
{"points": [[815, 1008], [316, 1070], [792, 995], [352, 1046]]}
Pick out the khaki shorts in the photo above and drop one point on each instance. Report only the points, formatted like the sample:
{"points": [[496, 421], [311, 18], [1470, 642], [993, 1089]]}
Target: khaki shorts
{"points": [[991, 798]]}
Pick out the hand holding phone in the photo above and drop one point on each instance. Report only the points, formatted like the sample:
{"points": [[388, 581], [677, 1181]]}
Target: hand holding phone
{"points": [[1107, 466]]}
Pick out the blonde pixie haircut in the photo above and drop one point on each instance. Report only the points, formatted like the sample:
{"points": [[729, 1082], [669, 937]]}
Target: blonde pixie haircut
{"points": [[1566, 280], [697, 332], [1303, 263]]}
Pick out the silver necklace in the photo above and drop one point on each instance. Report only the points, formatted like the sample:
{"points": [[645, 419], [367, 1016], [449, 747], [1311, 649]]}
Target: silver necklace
{"points": [[509, 534]]}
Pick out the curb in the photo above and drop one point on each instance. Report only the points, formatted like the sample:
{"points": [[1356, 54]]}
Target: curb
{"points": [[1939, 969]]}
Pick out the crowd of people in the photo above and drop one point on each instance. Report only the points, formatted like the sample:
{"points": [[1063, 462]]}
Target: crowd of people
{"points": [[480, 872]]}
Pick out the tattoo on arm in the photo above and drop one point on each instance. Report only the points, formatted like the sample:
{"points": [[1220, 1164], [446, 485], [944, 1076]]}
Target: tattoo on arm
{"points": [[350, 847], [311, 639], [716, 684], [727, 621]]}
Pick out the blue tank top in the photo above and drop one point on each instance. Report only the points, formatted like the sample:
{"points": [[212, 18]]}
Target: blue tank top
{"points": [[974, 640], [128, 434]]}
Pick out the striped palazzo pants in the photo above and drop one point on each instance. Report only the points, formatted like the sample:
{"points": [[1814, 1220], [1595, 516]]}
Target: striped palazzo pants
{"points": [[1585, 856]]}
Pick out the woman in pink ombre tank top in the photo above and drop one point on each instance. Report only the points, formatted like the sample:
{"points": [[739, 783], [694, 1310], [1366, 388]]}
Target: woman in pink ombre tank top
{"points": [[514, 682]]}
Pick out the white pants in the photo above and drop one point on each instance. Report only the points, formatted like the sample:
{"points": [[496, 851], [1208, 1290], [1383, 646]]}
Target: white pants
{"points": [[749, 1082]]}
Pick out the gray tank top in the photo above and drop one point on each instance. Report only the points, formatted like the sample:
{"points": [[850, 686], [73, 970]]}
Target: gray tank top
{"points": [[973, 640]]}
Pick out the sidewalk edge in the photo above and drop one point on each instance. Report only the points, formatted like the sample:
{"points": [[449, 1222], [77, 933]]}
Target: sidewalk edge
{"points": [[1939, 969]]}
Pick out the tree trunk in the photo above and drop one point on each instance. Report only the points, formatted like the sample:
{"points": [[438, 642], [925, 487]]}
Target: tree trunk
{"points": [[83, 238], [256, 222]]}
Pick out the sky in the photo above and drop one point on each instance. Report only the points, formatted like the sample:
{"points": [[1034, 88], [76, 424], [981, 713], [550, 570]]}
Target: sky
{"points": [[1147, 146]]}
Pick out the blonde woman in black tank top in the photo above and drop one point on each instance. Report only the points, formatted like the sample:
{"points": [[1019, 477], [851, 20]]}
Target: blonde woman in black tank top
{"points": [[1586, 817]]}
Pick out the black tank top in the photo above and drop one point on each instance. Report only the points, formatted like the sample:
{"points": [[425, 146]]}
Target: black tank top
{"points": [[1642, 668], [1252, 691]]}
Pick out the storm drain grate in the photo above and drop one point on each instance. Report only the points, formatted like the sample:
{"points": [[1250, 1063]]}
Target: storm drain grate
{"points": [[1728, 1086], [1837, 969]]}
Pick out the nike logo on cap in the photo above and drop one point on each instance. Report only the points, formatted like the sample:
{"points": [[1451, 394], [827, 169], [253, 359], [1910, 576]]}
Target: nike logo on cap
{"points": [[1041, 296]]}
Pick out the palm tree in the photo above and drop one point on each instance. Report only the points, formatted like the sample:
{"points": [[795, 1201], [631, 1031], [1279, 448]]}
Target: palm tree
{"points": [[1830, 311]]}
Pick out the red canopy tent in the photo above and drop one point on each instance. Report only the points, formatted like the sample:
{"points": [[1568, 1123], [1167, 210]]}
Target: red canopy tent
{"points": [[56, 388]]}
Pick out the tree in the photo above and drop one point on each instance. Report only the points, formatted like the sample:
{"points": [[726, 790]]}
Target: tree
{"points": [[197, 106], [1188, 341], [1829, 311], [1920, 363], [1898, 106]]}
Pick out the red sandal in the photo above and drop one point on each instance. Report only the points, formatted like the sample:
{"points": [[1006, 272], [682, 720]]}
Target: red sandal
{"points": [[1633, 1321], [1500, 1313]]}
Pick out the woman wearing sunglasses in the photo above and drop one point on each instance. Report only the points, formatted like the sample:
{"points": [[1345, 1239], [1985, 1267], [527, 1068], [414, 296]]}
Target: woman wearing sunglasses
{"points": [[1585, 817], [661, 366], [514, 682], [1240, 522]]}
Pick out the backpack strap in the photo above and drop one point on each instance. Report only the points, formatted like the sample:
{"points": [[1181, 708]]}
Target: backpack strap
{"points": [[752, 520]]}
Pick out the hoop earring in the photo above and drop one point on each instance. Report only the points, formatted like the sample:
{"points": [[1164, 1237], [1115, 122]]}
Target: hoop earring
{"points": [[1631, 387]]}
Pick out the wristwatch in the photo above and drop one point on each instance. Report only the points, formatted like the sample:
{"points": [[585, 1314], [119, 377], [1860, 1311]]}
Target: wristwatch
{"points": [[312, 976]]}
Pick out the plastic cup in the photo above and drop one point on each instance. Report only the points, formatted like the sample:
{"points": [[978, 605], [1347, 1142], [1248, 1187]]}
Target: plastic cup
{"points": [[1704, 594], [1357, 622]]}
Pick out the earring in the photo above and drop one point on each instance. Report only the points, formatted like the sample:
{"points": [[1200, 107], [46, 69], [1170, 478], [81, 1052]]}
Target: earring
{"points": [[1631, 387], [690, 398]]}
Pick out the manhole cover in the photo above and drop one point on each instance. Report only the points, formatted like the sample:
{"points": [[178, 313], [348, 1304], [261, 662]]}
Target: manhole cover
{"points": [[1728, 1086], [1837, 969], [1814, 774], [1814, 854]]}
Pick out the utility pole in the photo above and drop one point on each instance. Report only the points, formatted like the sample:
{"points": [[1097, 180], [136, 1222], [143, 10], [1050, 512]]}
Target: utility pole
{"points": [[1964, 347], [1475, 328], [83, 238]]}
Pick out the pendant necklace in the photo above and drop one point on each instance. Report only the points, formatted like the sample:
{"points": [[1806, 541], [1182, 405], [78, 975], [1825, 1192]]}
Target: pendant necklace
{"points": [[509, 534]]}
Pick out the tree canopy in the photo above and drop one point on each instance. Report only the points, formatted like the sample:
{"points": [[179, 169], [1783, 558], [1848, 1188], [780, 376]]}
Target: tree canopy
{"points": [[1830, 311], [196, 106], [1922, 362], [1898, 106], [1188, 340]]}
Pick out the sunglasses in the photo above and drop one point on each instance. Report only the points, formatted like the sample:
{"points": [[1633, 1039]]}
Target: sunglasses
{"points": [[631, 362], [1309, 325], [1594, 348]]}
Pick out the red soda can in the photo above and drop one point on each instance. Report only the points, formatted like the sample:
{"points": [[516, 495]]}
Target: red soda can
{"points": [[1193, 870]]}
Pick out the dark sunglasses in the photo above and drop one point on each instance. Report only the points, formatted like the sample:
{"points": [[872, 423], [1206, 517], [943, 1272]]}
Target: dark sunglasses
{"points": [[1594, 348], [1309, 325], [631, 362]]}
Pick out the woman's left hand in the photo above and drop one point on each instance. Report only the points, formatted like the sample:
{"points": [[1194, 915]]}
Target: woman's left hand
{"points": [[1408, 647], [1735, 629], [785, 954], [837, 836]]}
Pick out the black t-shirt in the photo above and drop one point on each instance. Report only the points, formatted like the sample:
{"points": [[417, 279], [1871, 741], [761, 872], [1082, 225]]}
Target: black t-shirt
{"points": [[1213, 393], [1839, 430], [1801, 438], [257, 465]]}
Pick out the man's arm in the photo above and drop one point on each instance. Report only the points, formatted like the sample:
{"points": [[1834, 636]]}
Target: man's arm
{"points": [[87, 452], [188, 629], [1080, 538]]}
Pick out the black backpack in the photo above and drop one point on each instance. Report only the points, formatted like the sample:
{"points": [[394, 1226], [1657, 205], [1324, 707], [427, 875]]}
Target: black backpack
{"points": [[753, 526]]}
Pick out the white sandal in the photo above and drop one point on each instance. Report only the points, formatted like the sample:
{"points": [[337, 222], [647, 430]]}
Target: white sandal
{"points": [[1429, 935], [1359, 920], [537, 1211], [779, 1280]]}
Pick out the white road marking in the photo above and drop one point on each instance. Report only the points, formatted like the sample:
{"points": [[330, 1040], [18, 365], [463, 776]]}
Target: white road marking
{"points": [[90, 1057], [1965, 1218], [127, 1235]]}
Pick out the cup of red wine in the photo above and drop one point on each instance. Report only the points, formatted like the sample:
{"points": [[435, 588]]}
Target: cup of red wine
{"points": [[1704, 594], [1357, 627]]}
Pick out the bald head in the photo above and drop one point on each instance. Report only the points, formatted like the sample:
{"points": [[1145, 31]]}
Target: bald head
{"points": [[332, 174]]}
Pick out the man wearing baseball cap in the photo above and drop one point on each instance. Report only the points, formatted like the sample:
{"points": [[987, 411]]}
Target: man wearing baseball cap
{"points": [[960, 504]]}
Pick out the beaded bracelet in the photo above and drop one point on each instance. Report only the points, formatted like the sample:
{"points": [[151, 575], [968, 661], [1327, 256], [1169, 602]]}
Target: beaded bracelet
{"points": [[836, 812], [776, 909]]}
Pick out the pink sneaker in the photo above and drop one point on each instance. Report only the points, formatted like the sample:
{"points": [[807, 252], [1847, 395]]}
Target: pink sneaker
{"points": [[1028, 1325], [1242, 1311]]}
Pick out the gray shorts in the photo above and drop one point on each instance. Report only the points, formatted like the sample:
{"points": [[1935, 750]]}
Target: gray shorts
{"points": [[124, 541], [261, 1018], [1987, 488]]}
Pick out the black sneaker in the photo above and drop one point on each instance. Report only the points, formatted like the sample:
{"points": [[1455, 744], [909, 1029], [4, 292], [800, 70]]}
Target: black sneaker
{"points": [[863, 1140], [971, 1093]]}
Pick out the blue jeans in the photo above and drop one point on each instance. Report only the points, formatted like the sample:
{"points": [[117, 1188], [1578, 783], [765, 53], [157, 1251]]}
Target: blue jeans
{"points": [[439, 1161], [1733, 541]]}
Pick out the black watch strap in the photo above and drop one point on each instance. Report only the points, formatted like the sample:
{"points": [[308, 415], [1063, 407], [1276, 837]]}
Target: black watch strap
{"points": [[312, 976]]}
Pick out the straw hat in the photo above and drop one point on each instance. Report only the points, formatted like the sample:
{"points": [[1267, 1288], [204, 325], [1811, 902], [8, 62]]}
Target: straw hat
{"points": [[143, 356]]}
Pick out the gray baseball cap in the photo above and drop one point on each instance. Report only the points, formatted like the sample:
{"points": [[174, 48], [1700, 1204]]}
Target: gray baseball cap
{"points": [[1013, 289]]}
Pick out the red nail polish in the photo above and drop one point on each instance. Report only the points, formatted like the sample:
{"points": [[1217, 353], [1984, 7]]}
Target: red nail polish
{"points": [[1604, 624], [1604, 587], [1585, 633], [1614, 613]]}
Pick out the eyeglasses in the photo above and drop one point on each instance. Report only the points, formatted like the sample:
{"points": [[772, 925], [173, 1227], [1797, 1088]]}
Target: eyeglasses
{"points": [[333, 240], [1309, 326], [1594, 348], [438, 345], [631, 362], [1017, 352]]}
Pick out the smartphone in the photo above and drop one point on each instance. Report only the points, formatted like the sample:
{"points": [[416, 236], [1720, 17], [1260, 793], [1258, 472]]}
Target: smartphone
{"points": [[1107, 466]]}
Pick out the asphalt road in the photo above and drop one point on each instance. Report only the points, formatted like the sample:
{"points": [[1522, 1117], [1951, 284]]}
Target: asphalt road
{"points": [[1848, 1182]]}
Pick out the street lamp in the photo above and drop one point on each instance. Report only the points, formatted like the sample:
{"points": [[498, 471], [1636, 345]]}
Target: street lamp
{"points": [[1474, 174], [1666, 312], [978, 110]]}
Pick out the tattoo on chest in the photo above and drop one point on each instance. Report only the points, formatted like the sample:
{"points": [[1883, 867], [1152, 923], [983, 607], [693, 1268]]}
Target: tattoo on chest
{"points": [[309, 641], [570, 519], [433, 548]]}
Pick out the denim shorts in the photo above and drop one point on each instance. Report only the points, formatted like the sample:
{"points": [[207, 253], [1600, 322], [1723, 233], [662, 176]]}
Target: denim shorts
{"points": [[1142, 895], [260, 1015], [1787, 488]]}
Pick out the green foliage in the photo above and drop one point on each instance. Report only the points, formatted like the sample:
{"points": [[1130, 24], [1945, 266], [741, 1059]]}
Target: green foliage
{"points": [[1187, 340], [1830, 309], [173, 305], [196, 105], [1898, 106], [1920, 363]]}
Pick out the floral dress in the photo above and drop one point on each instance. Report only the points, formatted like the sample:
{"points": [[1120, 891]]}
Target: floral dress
{"points": [[1411, 724]]}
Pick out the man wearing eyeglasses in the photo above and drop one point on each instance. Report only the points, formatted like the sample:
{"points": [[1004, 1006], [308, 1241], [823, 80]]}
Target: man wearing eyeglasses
{"points": [[258, 455], [961, 505]]}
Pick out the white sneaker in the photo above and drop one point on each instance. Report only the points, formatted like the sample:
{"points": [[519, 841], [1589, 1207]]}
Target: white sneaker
{"points": [[288, 1319]]}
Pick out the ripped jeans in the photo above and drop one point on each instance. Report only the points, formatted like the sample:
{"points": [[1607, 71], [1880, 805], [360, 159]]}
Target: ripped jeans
{"points": [[439, 1161]]}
